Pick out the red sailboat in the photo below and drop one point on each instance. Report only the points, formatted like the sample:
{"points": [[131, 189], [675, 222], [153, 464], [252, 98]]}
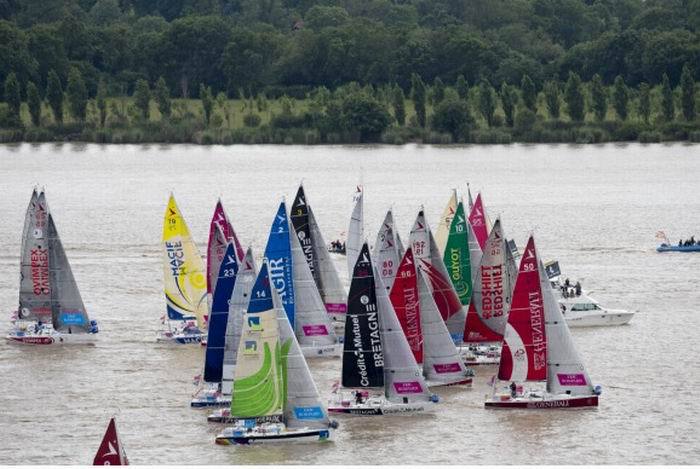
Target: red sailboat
{"points": [[111, 452], [540, 367]]}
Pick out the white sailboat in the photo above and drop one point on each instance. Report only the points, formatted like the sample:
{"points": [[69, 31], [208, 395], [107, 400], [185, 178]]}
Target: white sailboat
{"points": [[51, 310], [380, 375], [540, 367], [388, 250], [356, 231], [274, 395]]}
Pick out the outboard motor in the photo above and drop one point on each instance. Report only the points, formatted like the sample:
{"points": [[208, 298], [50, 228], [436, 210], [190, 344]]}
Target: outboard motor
{"points": [[598, 390]]}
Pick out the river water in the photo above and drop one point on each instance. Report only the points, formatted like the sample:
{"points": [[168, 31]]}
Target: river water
{"points": [[594, 208]]}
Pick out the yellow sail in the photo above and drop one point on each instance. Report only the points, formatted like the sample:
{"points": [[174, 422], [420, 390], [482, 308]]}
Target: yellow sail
{"points": [[183, 269], [443, 229]]}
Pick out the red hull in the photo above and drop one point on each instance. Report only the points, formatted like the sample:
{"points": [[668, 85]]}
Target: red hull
{"points": [[589, 401], [33, 340]]}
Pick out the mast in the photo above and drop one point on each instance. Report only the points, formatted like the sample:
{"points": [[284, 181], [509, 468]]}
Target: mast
{"points": [[355, 231]]}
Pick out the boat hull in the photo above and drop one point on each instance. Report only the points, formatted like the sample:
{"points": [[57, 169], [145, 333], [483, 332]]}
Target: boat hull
{"points": [[322, 351], [440, 384], [606, 318], [554, 403], [377, 409], [180, 339], [301, 435], [218, 401], [53, 339], [693, 248]]}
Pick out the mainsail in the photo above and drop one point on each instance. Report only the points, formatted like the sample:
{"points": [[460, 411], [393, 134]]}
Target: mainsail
{"points": [[441, 360], [477, 218], [35, 282], [443, 229], [363, 358], [386, 250], [234, 325], [221, 232], [488, 310], [185, 281], [218, 319], [429, 260], [68, 310], [456, 255], [111, 452], [566, 373], [403, 378], [524, 353], [312, 325], [404, 299], [356, 230], [299, 216], [278, 255], [330, 287]]}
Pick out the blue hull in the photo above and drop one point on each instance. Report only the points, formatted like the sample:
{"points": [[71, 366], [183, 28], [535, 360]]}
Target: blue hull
{"points": [[693, 248], [212, 403]]}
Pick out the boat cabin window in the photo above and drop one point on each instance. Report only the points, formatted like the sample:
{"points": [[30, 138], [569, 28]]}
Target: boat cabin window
{"points": [[585, 307]]}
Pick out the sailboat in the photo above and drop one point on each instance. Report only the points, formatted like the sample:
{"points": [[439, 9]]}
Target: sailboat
{"points": [[320, 262], [293, 280], [479, 221], [443, 229], [490, 301], [111, 451], [426, 333], [380, 375], [429, 259], [388, 250], [221, 232], [209, 392], [540, 367], [51, 310], [274, 395], [185, 281], [356, 230]]}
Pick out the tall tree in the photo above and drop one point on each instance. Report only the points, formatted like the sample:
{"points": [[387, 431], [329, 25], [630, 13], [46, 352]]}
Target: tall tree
{"points": [[12, 95], [599, 97], [667, 106], [34, 103], [552, 98], [687, 93], [207, 98], [644, 102], [101, 99], [573, 95], [54, 95], [462, 87], [77, 94], [438, 91], [487, 101], [399, 105], [162, 96], [453, 116], [529, 93], [418, 95], [509, 100], [142, 98], [621, 98]]}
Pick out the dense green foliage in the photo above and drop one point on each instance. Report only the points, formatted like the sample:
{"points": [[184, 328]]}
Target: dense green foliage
{"points": [[307, 70]]}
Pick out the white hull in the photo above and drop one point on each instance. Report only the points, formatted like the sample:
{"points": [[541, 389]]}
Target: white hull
{"points": [[25, 334], [209, 395], [345, 403], [180, 338], [322, 351], [271, 433], [610, 317]]}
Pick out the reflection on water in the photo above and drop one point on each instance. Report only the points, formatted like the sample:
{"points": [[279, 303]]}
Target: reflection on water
{"points": [[594, 208]]}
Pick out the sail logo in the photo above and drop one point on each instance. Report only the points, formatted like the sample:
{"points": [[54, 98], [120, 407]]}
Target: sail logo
{"points": [[250, 346], [447, 367], [39, 264], [40, 217], [254, 323], [408, 387], [175, 257], [492, 291], [571, 379], [307, 248], [72, 318], [539, 344], [279, 278], [411, 319], [308, 413]]}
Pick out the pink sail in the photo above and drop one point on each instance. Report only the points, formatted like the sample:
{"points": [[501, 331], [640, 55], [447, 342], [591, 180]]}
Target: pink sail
{"points": [[524, 353], [404, 298], [111, 452], [217, 246], [477, 218]]}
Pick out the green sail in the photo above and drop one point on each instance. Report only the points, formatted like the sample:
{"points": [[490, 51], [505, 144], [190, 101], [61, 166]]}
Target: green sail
{"points": [[456, 256], [258, 386]]}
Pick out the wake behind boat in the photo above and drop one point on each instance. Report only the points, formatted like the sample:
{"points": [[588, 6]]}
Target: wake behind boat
{"points": [[51, 310]]}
